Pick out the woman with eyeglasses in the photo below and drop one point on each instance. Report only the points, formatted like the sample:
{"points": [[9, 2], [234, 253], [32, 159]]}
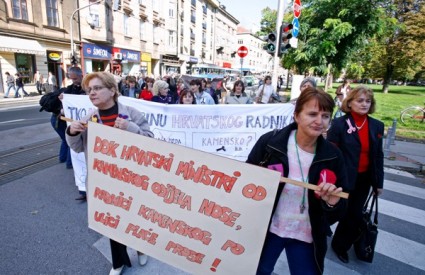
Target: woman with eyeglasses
{"points": [[103, 93], [238, 95]]}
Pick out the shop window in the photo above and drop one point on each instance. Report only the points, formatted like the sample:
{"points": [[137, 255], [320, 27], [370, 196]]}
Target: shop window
{"points": [[52, 13], [19, 9], [25, 66]]}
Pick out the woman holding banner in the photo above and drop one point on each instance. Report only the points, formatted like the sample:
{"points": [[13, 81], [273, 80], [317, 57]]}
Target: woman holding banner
{"points": [[238, 95], [103, 92], [301, 218]]}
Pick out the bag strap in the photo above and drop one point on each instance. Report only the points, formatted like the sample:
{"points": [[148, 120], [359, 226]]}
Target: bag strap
{"points": [[373, 207]]}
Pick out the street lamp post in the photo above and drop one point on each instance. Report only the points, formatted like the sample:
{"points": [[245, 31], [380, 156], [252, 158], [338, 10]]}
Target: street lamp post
{"points": [[73, 59]]}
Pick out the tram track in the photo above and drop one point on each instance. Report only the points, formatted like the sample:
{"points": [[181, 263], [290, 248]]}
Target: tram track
{"points": [[25, 160]]}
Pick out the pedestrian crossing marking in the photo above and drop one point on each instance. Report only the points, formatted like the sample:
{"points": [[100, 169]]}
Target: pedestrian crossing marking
{"points": [[402, 212], [404, 189]]}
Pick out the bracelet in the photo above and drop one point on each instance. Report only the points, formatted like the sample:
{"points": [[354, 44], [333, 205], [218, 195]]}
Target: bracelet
{"points": [[329, 205]]}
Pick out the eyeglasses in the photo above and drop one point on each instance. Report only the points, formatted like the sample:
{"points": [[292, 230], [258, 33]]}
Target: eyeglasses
{"points": [[94, 88]]}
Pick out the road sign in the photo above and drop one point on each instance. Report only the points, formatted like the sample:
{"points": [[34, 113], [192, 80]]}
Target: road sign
{"points": [[297, 8], [242, 51], [295, 27]]}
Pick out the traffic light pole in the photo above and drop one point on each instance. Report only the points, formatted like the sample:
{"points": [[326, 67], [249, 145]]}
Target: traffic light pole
{"points": [[280, 10], [71, 33]]}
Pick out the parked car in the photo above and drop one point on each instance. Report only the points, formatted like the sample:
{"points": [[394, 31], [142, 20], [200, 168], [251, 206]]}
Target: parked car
{"points": [[250, 80]]}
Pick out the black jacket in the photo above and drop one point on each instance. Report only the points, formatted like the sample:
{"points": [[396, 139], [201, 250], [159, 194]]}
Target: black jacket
{"points": [[273, 147], [350, 146]]}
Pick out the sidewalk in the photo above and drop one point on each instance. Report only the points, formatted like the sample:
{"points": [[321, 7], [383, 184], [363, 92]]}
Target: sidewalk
{"points": [[407, 156], [11, 101]]}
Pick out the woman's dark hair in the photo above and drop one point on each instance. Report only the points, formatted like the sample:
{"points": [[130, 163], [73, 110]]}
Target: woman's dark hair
{"points": [[356, 92], [324, 100], [267, 77], [185, 92], [238, 82]]}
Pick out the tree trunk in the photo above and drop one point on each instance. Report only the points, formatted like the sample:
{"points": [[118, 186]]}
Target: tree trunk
{"points": [[387, 78], [329, 78]]}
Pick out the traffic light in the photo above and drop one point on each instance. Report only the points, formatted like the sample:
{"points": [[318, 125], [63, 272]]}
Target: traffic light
{"points": [[270, 47], [285, 35]]}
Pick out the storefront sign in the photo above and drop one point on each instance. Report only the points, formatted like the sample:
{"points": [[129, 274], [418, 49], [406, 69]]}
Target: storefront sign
{"points": [[54, 56], [193, 60], [146, 57], [131, 56], [97, 51]]}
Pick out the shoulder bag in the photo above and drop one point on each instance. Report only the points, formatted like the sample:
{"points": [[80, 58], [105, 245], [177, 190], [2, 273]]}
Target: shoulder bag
{"points": [[364, 246]]}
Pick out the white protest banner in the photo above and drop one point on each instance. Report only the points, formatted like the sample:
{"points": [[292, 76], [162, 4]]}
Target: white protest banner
{"points": [[226, 130], [202, 213]]}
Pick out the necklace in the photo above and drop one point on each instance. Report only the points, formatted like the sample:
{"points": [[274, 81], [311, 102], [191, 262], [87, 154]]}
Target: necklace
{"points": [[361, 126], [302, 204]]}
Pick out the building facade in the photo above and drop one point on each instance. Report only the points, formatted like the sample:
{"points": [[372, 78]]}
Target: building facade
{"points": [[153, 37]]}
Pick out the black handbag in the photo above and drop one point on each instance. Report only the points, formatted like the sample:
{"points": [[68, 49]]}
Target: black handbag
{"points": [[364, 246]]}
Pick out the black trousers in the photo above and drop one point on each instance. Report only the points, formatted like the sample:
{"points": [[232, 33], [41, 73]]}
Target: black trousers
{"points": [[119, 254], [347, 230]]}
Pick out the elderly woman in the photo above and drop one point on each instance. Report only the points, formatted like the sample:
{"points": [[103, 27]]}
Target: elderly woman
{"points": [[307, 82], [161, 91], [238, 95], [103, 92], [301, 218]]}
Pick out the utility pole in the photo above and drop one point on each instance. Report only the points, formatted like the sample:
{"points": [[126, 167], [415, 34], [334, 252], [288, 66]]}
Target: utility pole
{"points": [[71, 33], [280, 10]]}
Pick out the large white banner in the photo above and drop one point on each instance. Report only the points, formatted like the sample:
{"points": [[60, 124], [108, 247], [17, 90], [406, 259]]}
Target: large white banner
{"points": [[226, 130], [202, 213]]}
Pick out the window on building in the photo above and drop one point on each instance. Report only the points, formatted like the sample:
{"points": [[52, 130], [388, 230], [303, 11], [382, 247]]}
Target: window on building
{"points": [[142, 30], [155, 5], [171, 37], [171, 9], [156, 35], [94, 15], [126, 24], [52, 13], [19, 9]]}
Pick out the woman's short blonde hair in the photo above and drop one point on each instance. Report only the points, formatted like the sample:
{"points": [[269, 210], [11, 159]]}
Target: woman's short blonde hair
{"points": [[107, 79], [356, 92], [158, 85]]}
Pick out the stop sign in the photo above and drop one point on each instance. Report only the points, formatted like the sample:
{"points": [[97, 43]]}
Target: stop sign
{"points": [[297, 8], [242, 51]]}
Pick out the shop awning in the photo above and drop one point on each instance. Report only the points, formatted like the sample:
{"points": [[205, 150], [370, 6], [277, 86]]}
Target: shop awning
{"points": [[19, 45]]}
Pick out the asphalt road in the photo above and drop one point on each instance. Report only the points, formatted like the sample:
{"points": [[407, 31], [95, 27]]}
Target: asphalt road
{"points": [[22, 116]]}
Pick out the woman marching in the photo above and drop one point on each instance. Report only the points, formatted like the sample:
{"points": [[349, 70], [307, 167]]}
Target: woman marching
{"points": [[360, 139], [103, 93], [301, 218]]}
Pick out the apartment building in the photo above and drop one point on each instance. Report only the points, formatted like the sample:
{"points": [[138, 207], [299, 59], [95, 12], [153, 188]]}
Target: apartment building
{"points": [[258, 61], [154, 37]]}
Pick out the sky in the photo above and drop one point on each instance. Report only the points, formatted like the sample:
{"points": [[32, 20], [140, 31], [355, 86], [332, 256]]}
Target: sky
{"points": [[248, 12]]}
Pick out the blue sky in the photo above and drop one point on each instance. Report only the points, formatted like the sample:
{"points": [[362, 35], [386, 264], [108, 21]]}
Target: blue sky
{"points": [[248, 12]]}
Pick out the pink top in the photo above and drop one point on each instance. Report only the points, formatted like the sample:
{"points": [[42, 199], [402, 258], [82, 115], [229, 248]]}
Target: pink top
{"points": [[287, 220]]}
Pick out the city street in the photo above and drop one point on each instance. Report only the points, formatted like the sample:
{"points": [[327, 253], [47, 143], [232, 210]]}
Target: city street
{"points": [[44, 229]]}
